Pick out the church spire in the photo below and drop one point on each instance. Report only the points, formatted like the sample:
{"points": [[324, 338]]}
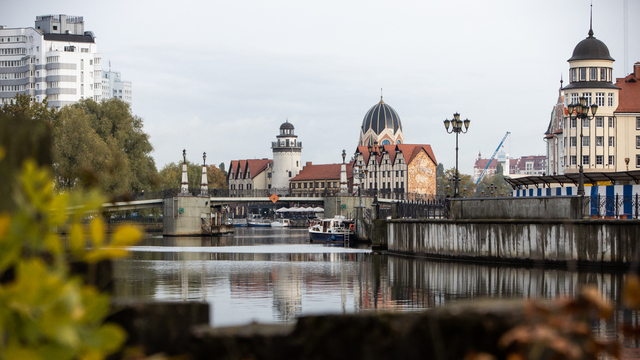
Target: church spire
{"points": [[591, 21]]}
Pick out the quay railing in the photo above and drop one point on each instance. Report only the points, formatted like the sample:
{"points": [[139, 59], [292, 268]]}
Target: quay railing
{"points": [[612, 206], [433, 207]]}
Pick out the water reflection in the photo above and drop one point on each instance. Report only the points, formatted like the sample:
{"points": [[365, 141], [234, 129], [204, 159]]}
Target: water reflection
{"points": [[275, 275]]}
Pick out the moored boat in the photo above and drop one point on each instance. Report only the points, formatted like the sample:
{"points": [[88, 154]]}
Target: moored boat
{"points": [[258, 222], [239, 222], [335, 229], [281, 223]]}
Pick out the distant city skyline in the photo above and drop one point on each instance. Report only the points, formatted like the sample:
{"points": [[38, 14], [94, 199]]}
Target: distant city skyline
{"points": [[222, 77]]}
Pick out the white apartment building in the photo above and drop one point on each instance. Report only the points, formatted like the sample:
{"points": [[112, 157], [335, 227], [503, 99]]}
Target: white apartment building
{"points": [[55, 59], [114, 87]]}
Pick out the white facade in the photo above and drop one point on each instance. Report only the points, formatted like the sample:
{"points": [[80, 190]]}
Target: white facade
{"points": [[114, 87], [287, 157], [57, 59]]}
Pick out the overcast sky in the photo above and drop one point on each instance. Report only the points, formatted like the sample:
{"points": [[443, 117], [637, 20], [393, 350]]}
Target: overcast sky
{"points": [[221, 76]]}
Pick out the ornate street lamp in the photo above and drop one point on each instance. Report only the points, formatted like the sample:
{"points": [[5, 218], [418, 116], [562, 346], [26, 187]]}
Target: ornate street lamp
{"points": [[456, 127], [580, 111]]}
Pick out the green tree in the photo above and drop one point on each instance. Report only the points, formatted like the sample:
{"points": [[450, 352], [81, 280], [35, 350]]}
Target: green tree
{"points": [[102, 144], [23, 107], [495, 183], [447, 184], [171, 176], [113, 122]]}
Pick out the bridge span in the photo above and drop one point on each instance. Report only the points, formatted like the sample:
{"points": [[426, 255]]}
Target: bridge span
{"points": [[157, 203]]}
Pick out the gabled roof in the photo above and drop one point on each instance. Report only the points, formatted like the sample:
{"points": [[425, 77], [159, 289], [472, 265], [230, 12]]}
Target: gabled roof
{"points": [[322, 172], [629, 95], [255, 166], [409, 151]]}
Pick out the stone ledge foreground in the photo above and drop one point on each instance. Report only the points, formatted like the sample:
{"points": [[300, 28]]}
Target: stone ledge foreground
{"points": [[448, 332]]}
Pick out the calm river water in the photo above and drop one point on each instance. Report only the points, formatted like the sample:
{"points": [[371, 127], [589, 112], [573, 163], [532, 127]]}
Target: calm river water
{"points": [[273, 275]]}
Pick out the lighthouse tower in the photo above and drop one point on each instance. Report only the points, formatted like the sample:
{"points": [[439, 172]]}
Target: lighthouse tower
{"points": [[287, 153]]}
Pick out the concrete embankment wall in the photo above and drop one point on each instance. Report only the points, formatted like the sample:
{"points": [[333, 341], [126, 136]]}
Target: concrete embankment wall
{"points": [[518, 230], [595, 242]]}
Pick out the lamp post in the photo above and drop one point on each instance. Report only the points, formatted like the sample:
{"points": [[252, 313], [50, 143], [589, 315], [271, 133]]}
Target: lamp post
{"points": [[456, 127], [204, 159], [580, 111]]}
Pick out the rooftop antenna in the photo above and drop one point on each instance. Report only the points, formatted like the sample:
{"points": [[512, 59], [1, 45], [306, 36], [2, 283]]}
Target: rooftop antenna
{"points": [[381, 96]]}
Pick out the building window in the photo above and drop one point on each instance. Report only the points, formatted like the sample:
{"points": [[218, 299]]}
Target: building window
{"points": [[600, 99], [289, 173], [573, 141], [599, 121], [585, 160], [396, 176], [637, 142], [593, 74], [565, 161], [585, 141], [588, 96], [599, 140], [638, 123], [574, 98], [573, 159], [305, 185], [610, 159], [574, 75], [574, 123], [583, 74], [599, 160], [611, 122], [611, 141], [384, 174], [603, 74], [322, 184], [565, 142], [610, 100], [317, 184], [638, 161], [585, 123]]}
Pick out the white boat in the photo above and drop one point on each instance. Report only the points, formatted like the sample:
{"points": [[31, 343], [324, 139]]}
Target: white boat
{"points": [[258, 222], [338, 228], [281, 223]]}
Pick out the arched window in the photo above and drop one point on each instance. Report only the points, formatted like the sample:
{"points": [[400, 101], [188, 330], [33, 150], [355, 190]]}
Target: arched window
{"points": [[386, 142]]}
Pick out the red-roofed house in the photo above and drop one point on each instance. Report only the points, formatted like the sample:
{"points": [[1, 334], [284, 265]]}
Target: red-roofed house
{"points": [[245, 176], [397, 169], [319, 180], [628, 118]]}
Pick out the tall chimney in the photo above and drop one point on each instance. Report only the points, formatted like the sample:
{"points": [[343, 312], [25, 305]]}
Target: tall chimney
{"points": [[636, 70]]}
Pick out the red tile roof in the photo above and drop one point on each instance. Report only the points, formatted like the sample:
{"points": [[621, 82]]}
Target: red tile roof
{"points": [[629, 95], [410, 151], [255, 166], [322, 172]]}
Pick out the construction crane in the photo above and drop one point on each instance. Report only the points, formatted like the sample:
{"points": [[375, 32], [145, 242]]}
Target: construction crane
{"points": [[492, 156]]}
